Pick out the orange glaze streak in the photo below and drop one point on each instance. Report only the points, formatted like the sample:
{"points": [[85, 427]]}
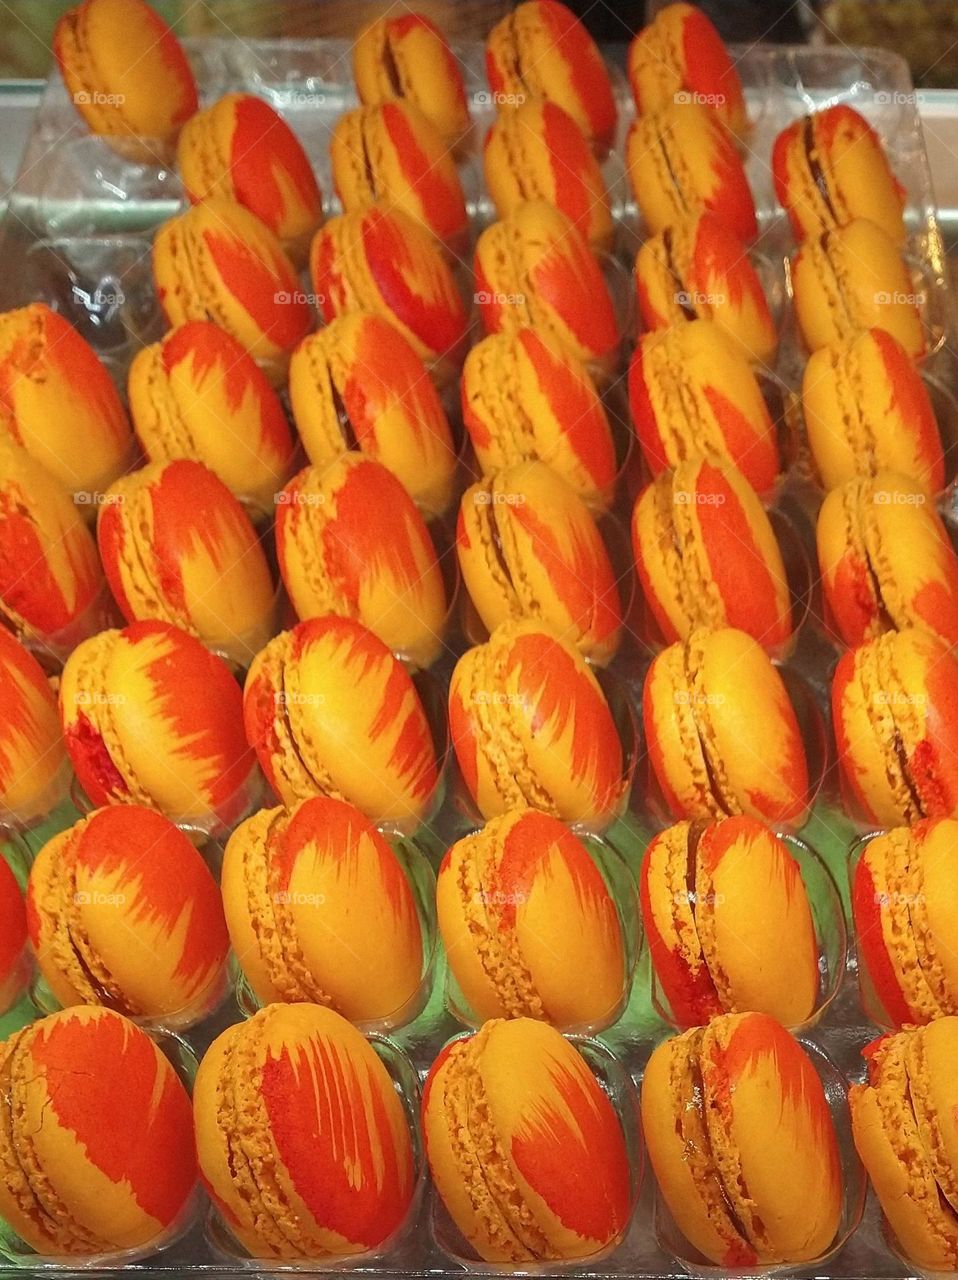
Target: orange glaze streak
{"points": [[854, 770], [570, 1150], [23, 691], [567, 276], [851, 597], [866, 908], [587, 74], [78, 365], [708, 67], [718, 254], [27, 581], [262, 144], [254, 282], [13, 922], [527, 854], [644, 417], [934, 762], [384, 368], [174, 59], [570, 163], [332, 1134], [407, 23], [937, 602], [729, 195], [463, 733], [326, 269], [750, 444], [566, 390], [131, 1114], [908, 398], [784, 738], [441, 201]]}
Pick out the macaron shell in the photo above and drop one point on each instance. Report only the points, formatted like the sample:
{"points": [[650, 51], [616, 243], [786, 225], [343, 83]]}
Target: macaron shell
{"points": [[350, 541], [49, 568], [853, 278], [330, 710], [360, 365], [866, 409], [13, 937], [44, 364], [528, 547], [534, 269], [389, 154], [381, 260], [538, 152], [117, 1163], [124, 899], [406, 56], [939, 876], [243, 150], [681, 160], [219, 261], [319, 909], [932, 1082], [543, 50], [177, 546], [302, 1140], [33, 770]]}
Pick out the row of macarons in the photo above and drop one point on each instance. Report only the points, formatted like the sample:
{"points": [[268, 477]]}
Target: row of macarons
{"points": [[312, 1142]]}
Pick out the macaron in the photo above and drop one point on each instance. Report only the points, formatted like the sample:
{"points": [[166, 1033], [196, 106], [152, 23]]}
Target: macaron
{"points": [[830, 168], [330, 711], [852, 277], [528, 547], [721, 731], [151, 717], [526, 398], [390, 154], [540, 49], [525, 1149], [177, 546], [302, 1139], [886, 561], [34, 774], [241, 149], [350, 541], [217, 261], [127, 75], [699, 532], [319, 909], [680, 57], [403, 55], [895, 713], [866, 409], [198, 394], [124, 913], [45, 364], [530, 725], [50, 575], [14, 966], [529, 926], [698, 269], [96, 1139], [535, 269], [727, 1111], [692, 392], [538, 152], [681, 160], [903, 1123], [359, 384], [711, 951], [904, 892], [382, 260]]}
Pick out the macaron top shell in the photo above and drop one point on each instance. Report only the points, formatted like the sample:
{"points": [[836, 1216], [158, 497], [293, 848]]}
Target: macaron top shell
{"points": [[319, 909], [199, 394], [541, 49], [358, 383], [44, 363], [124, 913], [680, 56], [886, 560], [529, 926], [217, 261], [895, 714], [830, 168], [530, 725], [242, 149], [152, 717], [127, 73], [381, 260], [722, 733], [302, 1140], [710, 1100], [88, 1167], [534, 268], [525, 397], [525, 1149], [33, 768], [404, 55], [538, 152], [528, 547], [330, 711], [13, 936], [904, 895]]}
